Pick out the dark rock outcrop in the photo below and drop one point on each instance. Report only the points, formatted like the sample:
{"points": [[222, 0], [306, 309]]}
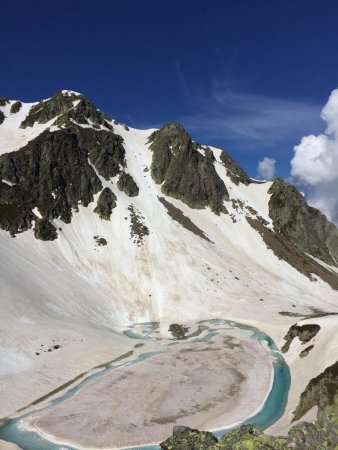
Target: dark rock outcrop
{"points": [[304, 226], [177, 215], [62, 108], [185, 438], [183, 171], [291, 254], [127, 184], [234, 171], [303, 436], [15, 216], [105, 150], [15, 107], [304, 333], [178, 331], [44, 230], [321, 391], [3, 101], [57, 170], [52, 173], [105, 203], [2, 117]]}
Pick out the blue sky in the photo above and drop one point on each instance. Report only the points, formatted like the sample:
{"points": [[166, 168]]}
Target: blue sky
{"points": [[248, 76]]}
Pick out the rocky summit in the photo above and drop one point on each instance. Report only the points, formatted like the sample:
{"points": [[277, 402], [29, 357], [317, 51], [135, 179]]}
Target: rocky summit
{"points": [[103, 226]]}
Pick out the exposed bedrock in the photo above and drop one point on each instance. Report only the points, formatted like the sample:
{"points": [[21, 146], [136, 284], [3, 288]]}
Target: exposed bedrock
{"points": [[15, 107], [184, 172], [2, 117], [322, 391], [44, 230], [127, 184], [52, 173], [3, 101], [63, 108], [234, 171], [304, 226], [303, 436], [105, 203], [304, 333]]}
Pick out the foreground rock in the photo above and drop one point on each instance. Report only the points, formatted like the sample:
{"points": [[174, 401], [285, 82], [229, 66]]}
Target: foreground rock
{"points": [[304, 436], [322, 392]]}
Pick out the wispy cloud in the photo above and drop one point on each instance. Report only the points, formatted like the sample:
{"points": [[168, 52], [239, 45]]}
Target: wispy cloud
{"points": [[223, 111]]}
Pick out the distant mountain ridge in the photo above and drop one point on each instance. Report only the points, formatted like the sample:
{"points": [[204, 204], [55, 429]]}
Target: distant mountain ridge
{"points": [[62, 166]]}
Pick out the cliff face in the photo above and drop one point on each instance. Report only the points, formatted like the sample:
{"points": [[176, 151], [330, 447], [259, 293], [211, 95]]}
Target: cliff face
{"points": [[57, 171], [184, 172], [303, 225]]}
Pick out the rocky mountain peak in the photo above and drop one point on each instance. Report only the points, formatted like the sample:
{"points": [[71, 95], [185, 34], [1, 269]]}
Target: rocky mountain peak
{"points": [[304, 226], [67, 107], [183, 171]]}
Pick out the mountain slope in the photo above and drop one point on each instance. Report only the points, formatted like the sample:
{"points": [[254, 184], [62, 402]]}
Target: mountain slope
{"points": [[115, 225]]}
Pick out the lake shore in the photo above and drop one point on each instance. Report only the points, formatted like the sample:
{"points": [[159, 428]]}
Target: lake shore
{"points": [[194, 384]]}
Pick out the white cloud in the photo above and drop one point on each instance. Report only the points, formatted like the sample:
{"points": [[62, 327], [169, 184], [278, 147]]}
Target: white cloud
{"points": [[315, 163], [266, 168]]}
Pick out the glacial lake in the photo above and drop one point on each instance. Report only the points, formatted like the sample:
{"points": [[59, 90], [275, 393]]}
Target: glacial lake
{"points": [[272, 410]]}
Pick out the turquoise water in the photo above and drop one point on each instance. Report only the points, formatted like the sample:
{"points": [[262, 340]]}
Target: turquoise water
{"points": [[272, 410]]}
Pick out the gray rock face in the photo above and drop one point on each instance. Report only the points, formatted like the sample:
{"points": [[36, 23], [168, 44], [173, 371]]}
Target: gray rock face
{"points": [[62, 105], [57, 170], [127, 184], [304, 333], [15, 107], [235, 172], [2, 117], [105, 204], [52, 173], [321, 391], [184, 172], [44, 230], [105, 150], [304, 226], [3, 101], [15, 215]]}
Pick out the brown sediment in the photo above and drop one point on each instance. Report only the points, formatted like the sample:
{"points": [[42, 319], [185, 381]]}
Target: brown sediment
{"points": [[177, 215]]}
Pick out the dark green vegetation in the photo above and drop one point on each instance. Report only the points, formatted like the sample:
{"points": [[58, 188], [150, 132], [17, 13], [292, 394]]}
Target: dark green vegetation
{"points": [[304, 333], [177, 215], [178, 331], [184, 172], [127, 184], [57, 171], [105, 203], [304, 226]]}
